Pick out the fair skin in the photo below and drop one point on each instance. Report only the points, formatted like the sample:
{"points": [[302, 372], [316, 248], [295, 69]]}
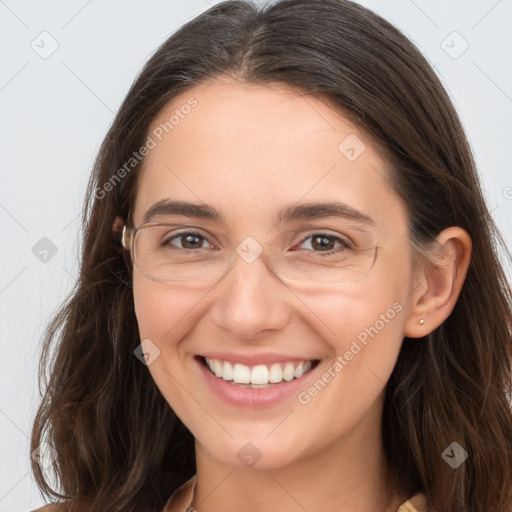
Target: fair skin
{"points": [[249, 151]]}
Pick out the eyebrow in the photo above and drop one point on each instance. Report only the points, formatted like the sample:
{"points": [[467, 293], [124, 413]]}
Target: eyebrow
{"points": [[186, 209], [311, 211], [305, 211]]}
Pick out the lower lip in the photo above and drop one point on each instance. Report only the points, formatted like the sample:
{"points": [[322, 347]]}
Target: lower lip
{"points": [[257, 398]]}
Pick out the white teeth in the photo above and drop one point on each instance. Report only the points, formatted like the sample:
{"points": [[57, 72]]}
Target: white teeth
{"points": [[275, 374], [260, 375], [217, 367], [241, 374], [227, 371], [289, 371]]}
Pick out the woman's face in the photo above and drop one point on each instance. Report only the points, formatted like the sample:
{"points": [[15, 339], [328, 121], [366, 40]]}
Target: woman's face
{"points": [[250, 152]]}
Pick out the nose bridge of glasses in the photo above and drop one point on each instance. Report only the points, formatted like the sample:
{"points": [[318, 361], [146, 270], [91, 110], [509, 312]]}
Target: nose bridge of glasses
{"points": [[252, 248]]}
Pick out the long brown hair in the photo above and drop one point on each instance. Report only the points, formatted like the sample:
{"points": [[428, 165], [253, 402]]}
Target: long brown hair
{"points": [[119, 445]]}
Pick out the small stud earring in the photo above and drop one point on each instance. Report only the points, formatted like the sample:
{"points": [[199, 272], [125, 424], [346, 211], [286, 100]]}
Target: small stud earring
{"points": [[422, 321]]}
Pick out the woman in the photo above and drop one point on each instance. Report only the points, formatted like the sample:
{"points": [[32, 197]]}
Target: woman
{"points": [[290, 294]]}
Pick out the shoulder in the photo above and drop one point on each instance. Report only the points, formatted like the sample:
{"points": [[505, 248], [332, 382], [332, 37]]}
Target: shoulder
{"points": [[181, 498], [418, 503], [52, 507]]}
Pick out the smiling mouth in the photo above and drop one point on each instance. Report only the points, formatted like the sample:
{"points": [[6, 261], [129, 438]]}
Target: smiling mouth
{"points": [[258, 376]]}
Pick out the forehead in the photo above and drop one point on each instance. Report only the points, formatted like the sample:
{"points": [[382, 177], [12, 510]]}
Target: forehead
{"points": [[250, 149]]}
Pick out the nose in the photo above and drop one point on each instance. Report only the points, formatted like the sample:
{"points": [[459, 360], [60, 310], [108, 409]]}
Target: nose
{"points": [[250, 300]]}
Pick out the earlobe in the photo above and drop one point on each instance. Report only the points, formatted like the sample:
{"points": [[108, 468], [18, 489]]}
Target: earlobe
{"points": [[439, 285]]}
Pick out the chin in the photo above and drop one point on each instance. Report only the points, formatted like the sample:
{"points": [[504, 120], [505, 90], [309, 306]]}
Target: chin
{"points": [[256, 451]]}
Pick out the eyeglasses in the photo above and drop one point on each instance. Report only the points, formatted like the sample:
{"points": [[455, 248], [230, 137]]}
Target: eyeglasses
{"points": [[184, 253]]}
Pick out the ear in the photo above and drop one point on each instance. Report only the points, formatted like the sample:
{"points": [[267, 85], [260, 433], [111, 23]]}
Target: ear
{"points": [[117, 233], [437, 287]]}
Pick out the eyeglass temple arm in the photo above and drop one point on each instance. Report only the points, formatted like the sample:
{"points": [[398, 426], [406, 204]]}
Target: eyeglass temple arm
{"points": [[127, 237]]}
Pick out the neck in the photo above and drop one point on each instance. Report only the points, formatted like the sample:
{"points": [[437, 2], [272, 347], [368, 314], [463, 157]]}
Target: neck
{"points": [[351, 476]]}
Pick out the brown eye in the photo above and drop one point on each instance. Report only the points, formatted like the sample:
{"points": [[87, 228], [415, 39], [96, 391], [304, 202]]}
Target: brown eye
{"points": [[322, 242], [186, 241], [325, 243]]}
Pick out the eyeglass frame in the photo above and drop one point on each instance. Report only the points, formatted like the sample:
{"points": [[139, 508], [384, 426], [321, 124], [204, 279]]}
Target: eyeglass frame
{"points": [[128, 241]]}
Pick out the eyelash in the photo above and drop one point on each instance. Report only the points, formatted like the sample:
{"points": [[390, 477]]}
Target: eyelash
{"points": [[344, 244], [183, 234]]}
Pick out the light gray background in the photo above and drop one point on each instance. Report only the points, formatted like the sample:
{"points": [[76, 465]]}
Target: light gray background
{"points": [[56, 110]]}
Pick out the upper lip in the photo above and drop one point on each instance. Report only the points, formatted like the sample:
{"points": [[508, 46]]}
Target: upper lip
{"points": [[255, 359]]}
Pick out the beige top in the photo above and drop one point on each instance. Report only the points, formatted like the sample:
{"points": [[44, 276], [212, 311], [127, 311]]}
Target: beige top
{"points": [[180, 499]]}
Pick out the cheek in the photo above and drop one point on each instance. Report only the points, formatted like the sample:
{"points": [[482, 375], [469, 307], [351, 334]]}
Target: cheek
{"points": [[363, 325], [363, 329], [163, 314], [373, 308], [161, 310], [367, 333]]}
